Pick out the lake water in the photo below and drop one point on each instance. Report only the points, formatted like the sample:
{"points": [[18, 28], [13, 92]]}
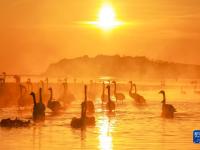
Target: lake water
{"points": [[131, 127]]}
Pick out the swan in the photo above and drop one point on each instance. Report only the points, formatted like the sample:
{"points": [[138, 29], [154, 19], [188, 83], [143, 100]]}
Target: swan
{"points": [[104, 97], [24, 99], [167, 109], [118, 96], [14, 123], [17, 79], [138, 98], [54, 105], [29, 85], [83, 120], [110, 104], [67, 97], [38, 108], [92, 92]]}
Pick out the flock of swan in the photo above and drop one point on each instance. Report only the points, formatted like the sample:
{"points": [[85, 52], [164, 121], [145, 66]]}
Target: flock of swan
{"points": [[87, 106]]}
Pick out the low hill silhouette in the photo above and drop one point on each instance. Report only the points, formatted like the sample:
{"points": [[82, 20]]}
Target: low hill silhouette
{"points": [[124, 67]]}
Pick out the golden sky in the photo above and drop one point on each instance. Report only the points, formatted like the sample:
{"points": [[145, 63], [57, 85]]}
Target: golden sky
{"points": [[35, 33]]}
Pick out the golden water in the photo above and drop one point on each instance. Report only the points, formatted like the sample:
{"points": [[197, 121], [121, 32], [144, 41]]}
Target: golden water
{"points": [[130, 128]]}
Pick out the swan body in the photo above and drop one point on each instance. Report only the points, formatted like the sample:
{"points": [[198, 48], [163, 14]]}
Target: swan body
{"points": [[67, 97], [90, 107], [14, 123], [137, 98], [118, 96], [54, 105], [83, 120], [167, 109]]}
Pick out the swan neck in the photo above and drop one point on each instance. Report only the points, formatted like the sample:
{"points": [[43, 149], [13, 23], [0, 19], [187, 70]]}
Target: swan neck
{"points": [[83, 113], [164, 98], [34, 100]]}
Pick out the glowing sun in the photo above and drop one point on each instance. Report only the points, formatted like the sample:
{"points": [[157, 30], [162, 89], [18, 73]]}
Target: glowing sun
{"points": [[106, 18]]}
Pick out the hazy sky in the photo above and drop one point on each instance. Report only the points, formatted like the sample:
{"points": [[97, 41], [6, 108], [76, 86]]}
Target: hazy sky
{"points": [[35, 33]]}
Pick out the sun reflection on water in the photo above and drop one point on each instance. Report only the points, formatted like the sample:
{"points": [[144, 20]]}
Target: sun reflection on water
{"points": [[105, 136]]}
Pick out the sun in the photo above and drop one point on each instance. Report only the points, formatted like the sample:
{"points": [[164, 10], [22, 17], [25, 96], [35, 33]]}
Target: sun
{"points": [[106, 18]]}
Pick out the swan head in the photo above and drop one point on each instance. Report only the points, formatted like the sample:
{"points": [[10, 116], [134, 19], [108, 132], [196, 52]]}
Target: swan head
{"points": [[108, 86], [130, 82], [162, 92], [32, 93], [113, 81], [50, 89]]}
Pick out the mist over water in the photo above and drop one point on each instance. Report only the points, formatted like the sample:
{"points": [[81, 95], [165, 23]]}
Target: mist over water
{"points": [[130, 127]]}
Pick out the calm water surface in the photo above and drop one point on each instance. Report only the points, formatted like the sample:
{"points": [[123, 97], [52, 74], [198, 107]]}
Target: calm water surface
{"points": [[131, 127]]}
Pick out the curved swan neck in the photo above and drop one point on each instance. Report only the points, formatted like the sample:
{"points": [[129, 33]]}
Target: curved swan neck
{"points": [[135, 88], [164, 98], [34, 100]]}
